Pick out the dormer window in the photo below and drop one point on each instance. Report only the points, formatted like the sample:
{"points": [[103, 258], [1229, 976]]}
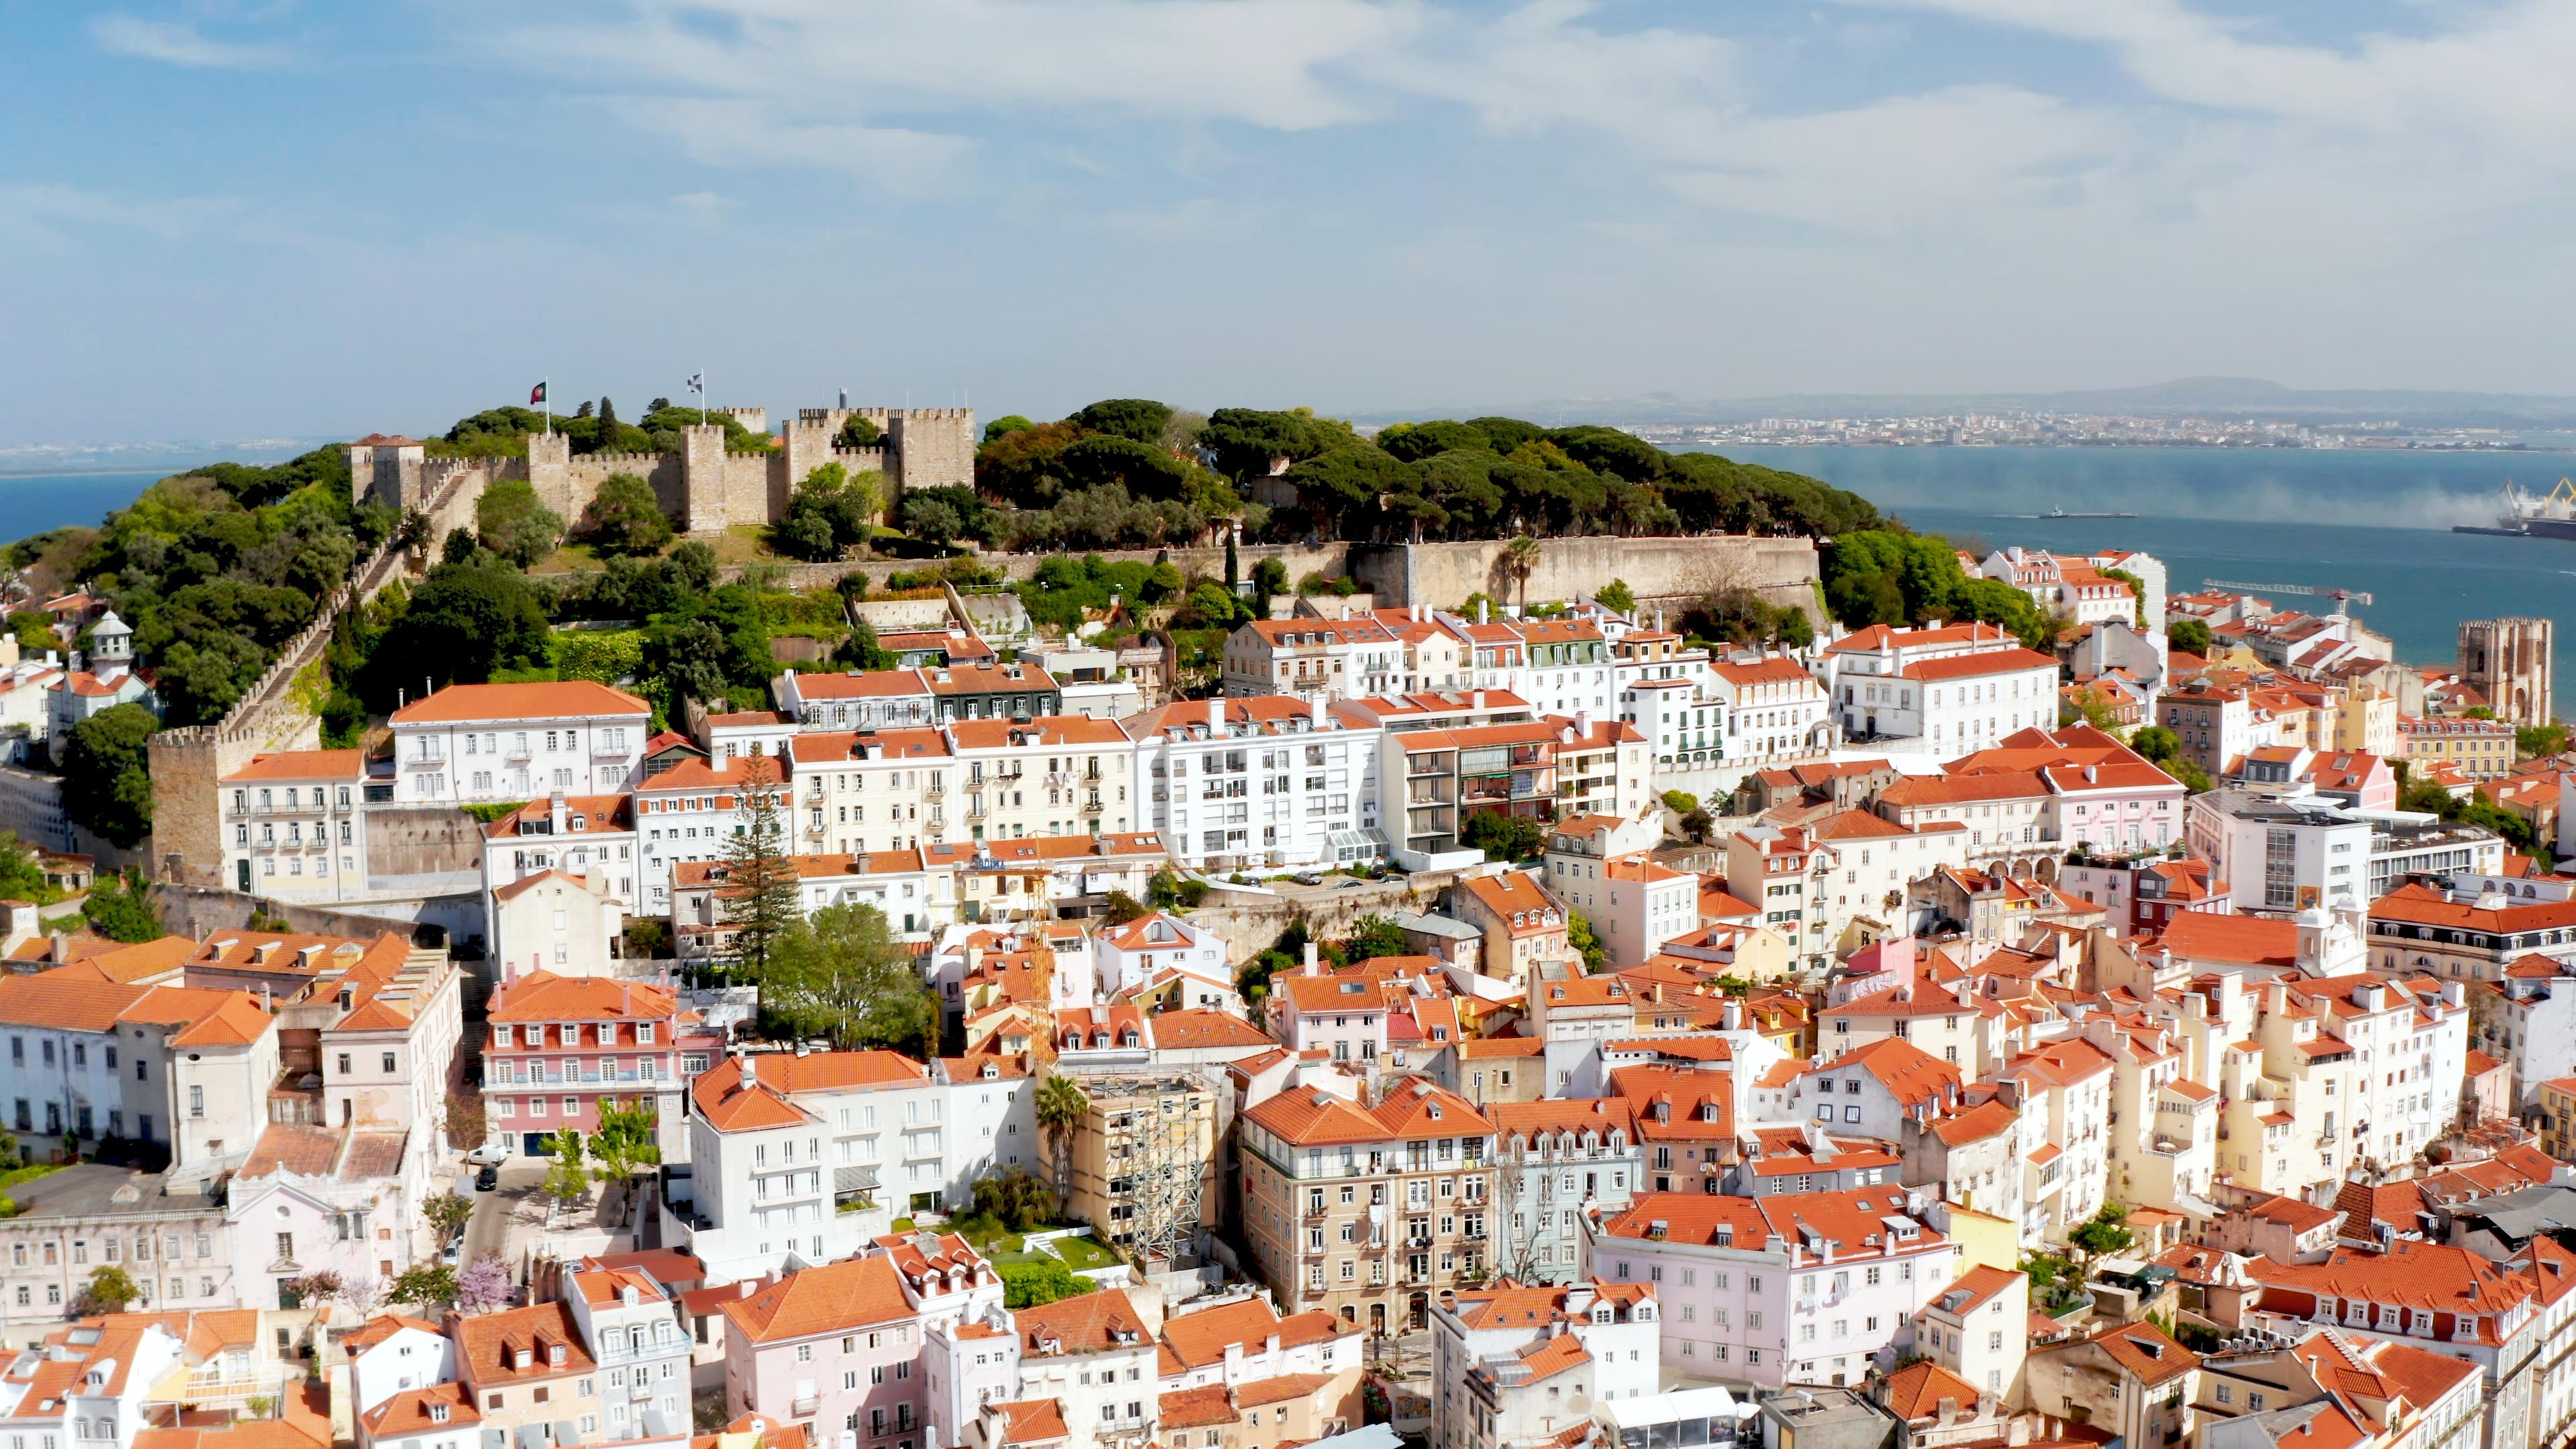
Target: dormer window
{"points": [[555, 1356], [438, 1413]]}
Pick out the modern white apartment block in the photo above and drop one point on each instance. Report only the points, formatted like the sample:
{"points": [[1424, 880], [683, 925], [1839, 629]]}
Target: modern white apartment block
{"points": [[1265, 781]]}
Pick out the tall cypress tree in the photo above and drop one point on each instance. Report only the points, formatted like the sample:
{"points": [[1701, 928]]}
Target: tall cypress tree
{"points": [[607, 426], [759, 895]]}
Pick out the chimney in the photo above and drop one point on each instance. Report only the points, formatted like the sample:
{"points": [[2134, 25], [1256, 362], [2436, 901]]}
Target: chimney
{"points": [[1315, 716], [1216, 715], [556, 811], [1484, 611], [1310, 960], [1583, 724], [750, 1073], [1478, 699]]}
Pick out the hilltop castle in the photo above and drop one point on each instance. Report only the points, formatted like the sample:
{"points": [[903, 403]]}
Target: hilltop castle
{"points": [[704, 488]]}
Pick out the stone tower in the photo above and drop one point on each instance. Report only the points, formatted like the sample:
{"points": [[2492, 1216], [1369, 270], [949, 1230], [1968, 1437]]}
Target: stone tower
{"points": [[2507, 660], [932, 446], [385, 468]]}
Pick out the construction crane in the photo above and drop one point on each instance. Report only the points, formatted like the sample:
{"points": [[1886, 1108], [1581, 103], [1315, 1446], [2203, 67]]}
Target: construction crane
{"points": [[2341, 597]]}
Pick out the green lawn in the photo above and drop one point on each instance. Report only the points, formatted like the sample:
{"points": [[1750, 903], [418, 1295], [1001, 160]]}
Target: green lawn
{"points": [[1084, 1253], [1004, 1249]]}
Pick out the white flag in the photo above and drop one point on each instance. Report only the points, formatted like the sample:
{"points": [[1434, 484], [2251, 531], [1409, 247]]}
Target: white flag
{"points": [[697, 382]]}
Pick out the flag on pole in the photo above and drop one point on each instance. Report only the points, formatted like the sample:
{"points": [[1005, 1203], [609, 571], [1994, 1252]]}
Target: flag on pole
{"points": [[697, 382], [536, 394]]}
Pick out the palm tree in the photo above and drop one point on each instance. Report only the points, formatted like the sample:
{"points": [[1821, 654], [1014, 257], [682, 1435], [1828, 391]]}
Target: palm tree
{"points": [[1061, 1106], [1521, 557]]}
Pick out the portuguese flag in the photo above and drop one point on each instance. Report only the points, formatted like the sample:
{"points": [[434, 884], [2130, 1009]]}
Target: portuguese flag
{"points": [[536, 394]]}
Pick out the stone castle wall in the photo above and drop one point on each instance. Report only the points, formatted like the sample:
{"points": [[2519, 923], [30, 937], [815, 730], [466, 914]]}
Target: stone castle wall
{"points": [[702, 486], [1781, 570]]}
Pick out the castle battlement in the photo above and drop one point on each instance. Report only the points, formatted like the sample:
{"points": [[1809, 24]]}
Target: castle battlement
{"points": [[936, 414]]}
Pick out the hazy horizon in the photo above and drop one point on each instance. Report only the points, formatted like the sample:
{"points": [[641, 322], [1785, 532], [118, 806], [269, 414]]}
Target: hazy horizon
{"points": [[280, 220]]}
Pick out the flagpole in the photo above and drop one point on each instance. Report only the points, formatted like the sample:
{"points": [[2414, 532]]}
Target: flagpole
{"points": [[702, 397], [546, 385]]}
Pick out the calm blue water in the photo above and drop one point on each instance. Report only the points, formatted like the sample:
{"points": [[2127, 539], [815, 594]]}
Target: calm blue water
{"points": [[2378, 486], [34, 502], [2389, 532]]}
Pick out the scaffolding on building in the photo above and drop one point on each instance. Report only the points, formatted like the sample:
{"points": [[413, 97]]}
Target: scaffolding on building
{"points": [[1162, 1130]]}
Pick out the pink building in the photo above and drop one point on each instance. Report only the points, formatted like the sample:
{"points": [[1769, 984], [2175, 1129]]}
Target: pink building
{"points": [[559, 1044], [1792, 1288], [835, 1350]]}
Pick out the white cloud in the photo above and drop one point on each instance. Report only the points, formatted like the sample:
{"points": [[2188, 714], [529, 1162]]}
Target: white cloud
{"points": [[54, 215], [758, 132], [1261, 62], [173, 43]]}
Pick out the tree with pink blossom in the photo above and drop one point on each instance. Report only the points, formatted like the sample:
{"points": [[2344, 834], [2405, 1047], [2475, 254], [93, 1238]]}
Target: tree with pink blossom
{"points": [[484, 1286]]}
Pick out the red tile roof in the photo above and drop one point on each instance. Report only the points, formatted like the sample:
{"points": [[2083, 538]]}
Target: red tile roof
{"points": [[563, 699], [834, 1298]]}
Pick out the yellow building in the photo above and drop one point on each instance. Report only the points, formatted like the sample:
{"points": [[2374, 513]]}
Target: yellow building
{"points": [[2482, 748], [2558, 1117]]}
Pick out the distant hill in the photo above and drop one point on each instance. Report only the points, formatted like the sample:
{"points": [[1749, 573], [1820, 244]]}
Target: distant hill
{"points": [[2186, 396]]}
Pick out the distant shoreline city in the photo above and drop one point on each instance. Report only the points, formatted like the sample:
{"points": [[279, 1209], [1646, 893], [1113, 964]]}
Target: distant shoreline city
{"points": [[2062, 430]]}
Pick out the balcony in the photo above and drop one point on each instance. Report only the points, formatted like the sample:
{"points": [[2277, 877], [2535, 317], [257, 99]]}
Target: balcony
{"points": [[1092, 806], [807, 1405], [937, 787]]}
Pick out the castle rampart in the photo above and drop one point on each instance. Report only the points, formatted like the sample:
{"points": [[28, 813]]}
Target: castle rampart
{"points": [[703, 486]]}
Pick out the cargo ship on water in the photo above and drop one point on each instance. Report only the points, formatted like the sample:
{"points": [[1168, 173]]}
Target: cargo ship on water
{"points": [[2532, 515]]}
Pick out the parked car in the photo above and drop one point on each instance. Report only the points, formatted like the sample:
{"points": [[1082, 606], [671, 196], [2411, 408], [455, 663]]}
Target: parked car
{"points": [[1307, 878], [488, 1179], [489, 1152]]}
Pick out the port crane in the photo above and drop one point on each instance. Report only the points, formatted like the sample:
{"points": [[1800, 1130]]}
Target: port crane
{"points": [[2341, 597]]}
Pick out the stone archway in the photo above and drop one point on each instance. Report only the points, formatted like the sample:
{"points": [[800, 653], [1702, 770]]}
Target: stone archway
{"points": [[2047, 871]]}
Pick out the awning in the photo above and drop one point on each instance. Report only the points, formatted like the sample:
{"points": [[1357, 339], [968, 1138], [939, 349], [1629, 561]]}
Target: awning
{"points": [[854, 1179]]}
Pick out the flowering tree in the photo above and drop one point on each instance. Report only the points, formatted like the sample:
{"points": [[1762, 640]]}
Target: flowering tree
{"points": [[484, 1286], [315, 1287], [364, 1294]]}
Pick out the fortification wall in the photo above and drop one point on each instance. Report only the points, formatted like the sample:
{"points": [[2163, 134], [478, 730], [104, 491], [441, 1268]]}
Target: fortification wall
{"points": [[935, 446], [1331, 559], [568, 489], [422, 840], [1781, 570], [202, 911], [755, 486]]}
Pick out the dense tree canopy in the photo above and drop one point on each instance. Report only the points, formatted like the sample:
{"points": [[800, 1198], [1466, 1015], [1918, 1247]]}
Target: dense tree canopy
{"points": [[625, 518], [1132, 472], [107, 774], [510, 521], [1882, 577], [1137, 419], [467, 622], [218, 569]]}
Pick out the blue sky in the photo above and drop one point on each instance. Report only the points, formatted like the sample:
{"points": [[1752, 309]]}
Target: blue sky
{"points": [[229, 220]]}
